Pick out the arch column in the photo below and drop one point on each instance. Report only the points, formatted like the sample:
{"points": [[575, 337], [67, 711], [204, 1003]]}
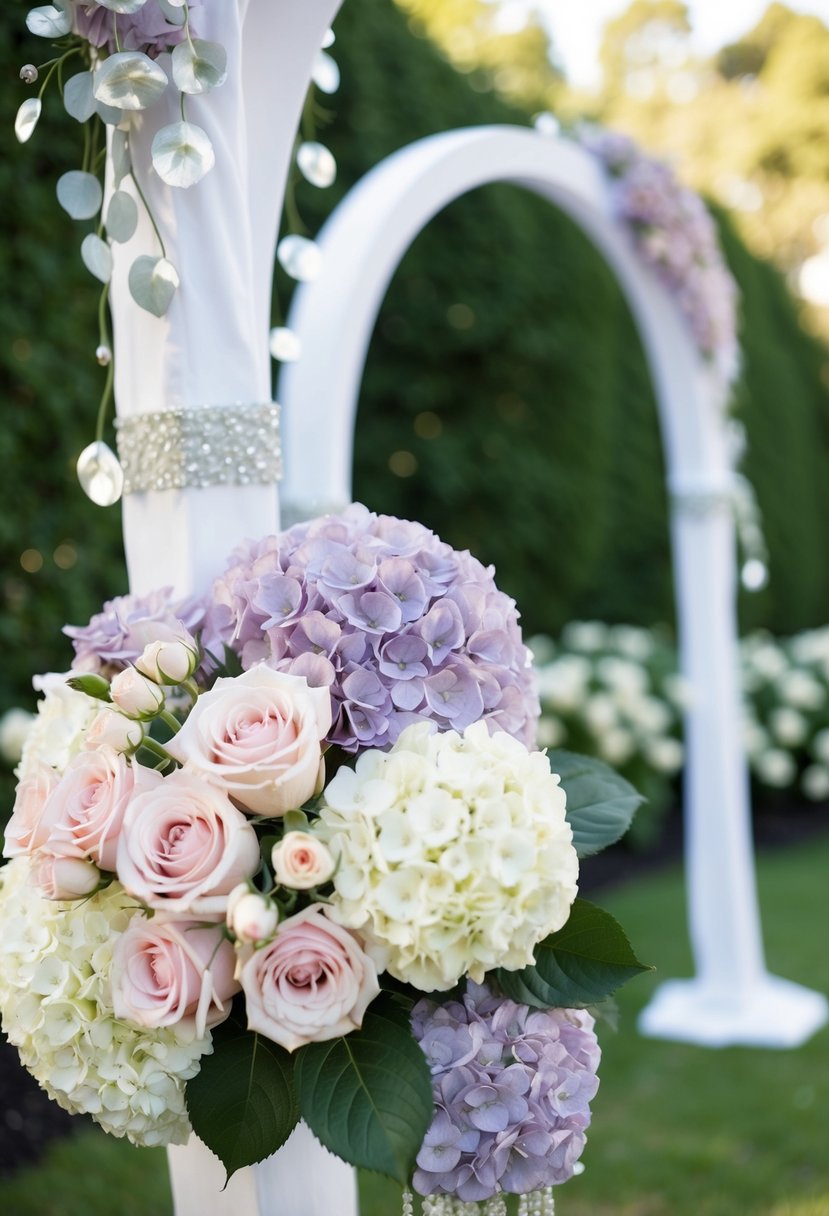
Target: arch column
{"points": [[732, 999]]}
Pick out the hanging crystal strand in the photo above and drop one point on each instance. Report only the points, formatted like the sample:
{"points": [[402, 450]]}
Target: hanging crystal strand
{"points": [[548, 1203], [408, 1203], [496, 1206], [523, 1206]]}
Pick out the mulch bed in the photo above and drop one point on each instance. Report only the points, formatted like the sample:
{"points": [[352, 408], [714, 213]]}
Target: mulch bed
{"points": [[29, 1121]]}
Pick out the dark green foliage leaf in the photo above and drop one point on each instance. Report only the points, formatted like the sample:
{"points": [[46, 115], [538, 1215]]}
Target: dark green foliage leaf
{"points": [[368, 1096], [578, 966], [600, 803], [242, 1102]]}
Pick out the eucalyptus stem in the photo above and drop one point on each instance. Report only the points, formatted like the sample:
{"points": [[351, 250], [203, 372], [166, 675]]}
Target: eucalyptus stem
{"points": [[148, 210], [115, 33], [87, 144], [53, 65], [106, 397], [103, 329], [291, 209], [152, 745]]}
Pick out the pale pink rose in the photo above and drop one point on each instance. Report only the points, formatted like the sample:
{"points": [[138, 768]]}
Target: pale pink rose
{"points": [[251, 917], [184, 846], [84, 813], [258, 736], [22, 830], [301, 861], [169, 662], [65, 878], [166, 971], [113, 729], [135, 695], [312, 983]]}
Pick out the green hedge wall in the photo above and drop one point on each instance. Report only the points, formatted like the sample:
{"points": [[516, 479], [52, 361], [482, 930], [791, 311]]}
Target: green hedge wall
{"points": [[505, 382]]}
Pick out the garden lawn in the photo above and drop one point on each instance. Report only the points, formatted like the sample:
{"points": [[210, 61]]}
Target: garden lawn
{"points": [[679, 1131]]}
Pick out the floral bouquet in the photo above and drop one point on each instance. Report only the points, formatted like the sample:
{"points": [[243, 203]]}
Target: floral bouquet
{"points": [[287, 852]]}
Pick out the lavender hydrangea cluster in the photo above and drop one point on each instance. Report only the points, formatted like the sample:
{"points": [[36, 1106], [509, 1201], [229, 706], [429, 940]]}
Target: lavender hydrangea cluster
{"points": [[674, 234], [512, 1088], [147, 29], [117, 635], [398, 625]]}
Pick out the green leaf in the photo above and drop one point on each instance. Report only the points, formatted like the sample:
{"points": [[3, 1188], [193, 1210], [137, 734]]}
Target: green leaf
{"points": [[241, 1102], [584, 962], [129, 80], [182, 153], [368, 1096], [78, 98], [97, 257], [600, 803]]}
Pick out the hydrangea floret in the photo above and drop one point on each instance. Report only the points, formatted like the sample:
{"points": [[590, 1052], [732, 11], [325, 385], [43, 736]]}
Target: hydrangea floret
{"points": [[397, 624], [453, 853]]}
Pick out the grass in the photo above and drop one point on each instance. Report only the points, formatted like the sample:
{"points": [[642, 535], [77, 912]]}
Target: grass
{"points": [[678, 1130]]}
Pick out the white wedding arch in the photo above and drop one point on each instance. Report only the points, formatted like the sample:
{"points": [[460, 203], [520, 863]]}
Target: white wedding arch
{"points": [[210, 350], [732, 999]]}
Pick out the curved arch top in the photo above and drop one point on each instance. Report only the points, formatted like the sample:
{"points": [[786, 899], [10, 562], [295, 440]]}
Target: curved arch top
{"points": [[363, 244]]}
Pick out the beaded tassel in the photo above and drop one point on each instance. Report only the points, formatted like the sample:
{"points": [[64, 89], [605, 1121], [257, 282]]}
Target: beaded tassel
{"points": [[408, 1203], [536, 1203]]}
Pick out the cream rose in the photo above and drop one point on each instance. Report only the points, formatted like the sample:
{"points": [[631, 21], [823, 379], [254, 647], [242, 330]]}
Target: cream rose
{"points": [[82, 816], [258, 737], [30, 799], [301, 861], [251, 917], [135, 695], [166, 972], [184, 846], [312, 983], [113, 729], [169, 662], [65, 878]]}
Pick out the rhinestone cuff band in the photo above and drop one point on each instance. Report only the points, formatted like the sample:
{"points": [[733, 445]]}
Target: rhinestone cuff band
{"points": [[224, 445]]}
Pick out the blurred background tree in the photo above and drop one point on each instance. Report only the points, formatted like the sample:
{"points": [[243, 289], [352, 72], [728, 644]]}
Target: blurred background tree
{"points": [[506, 399]]}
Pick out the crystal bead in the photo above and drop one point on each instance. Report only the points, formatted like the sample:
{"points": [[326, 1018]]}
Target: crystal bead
{"points": [[104, 355], [316, 164], [100, 474], [285, 345], [299, 257], [546, 123], [754, 574], [325, 73], [28, 73]]}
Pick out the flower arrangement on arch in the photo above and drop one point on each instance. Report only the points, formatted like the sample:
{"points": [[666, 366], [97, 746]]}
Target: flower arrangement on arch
{"points": [[304, 810]]}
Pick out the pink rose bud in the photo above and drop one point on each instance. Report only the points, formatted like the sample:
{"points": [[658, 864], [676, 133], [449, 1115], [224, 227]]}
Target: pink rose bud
{"points": [[135, 695], [65, 877], [312, 983], [300, 861], [113, 729], [251, 917], [170, 662]]}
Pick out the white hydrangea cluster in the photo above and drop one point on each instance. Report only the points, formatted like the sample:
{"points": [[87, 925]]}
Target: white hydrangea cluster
{"points": [[55, 963], [57, 733], [453, 854]]}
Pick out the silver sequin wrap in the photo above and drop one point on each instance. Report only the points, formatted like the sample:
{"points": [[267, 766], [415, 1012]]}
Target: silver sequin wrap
{"points": [[224, 445]]}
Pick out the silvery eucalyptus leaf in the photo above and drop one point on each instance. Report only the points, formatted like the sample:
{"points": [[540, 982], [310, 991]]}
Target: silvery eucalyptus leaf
{"points": [[119, 151], [97, 257], [199, 66], [173, 10], [26, 120], [80, 194], [109, 114], [129, 80], [122, 6], [78, 98], [49, 21], [153, 283], [122, 216], [182, 154]]}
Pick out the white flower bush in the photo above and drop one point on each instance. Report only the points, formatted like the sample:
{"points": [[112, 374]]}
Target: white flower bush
{"points": [[453, 853], [613, 691], [59, 730], [55, 994]]}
